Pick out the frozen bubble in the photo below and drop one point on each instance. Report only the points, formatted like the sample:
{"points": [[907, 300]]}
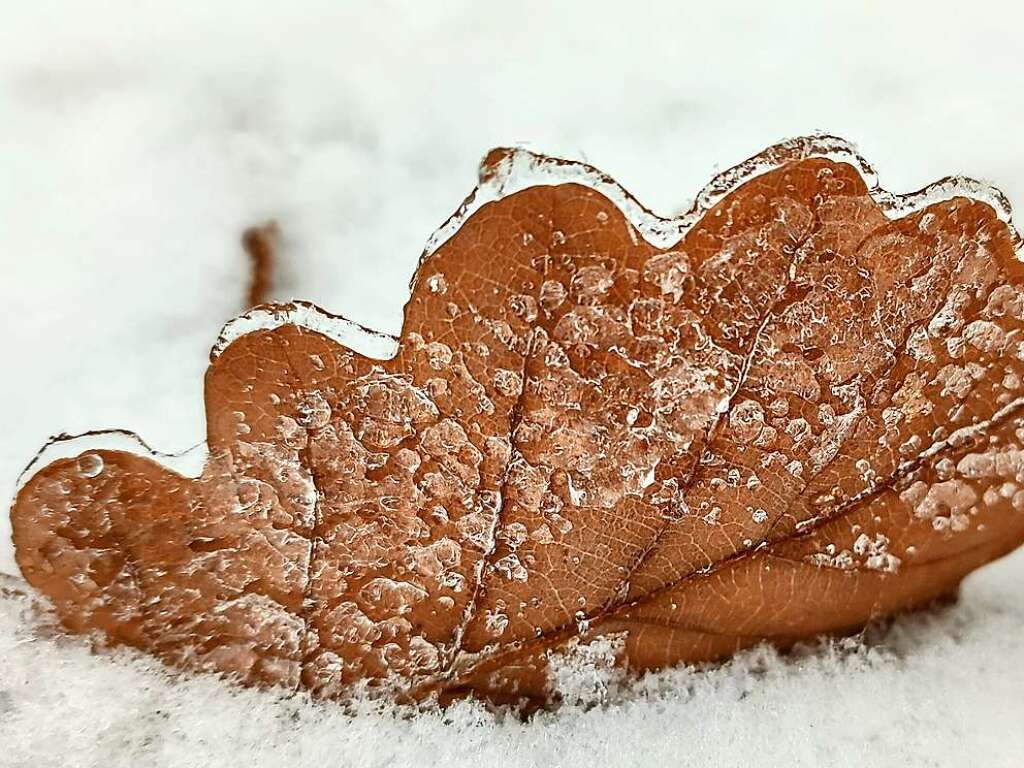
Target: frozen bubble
{"points": [[423, 654], [509, 383], [582, 622], [438, 355], [314, 411], [90, 464], [523, 306], [248, 493], [944, 468], [496, 623], [552, 294], [542, 534], [393, 597], [437, 284], [669, 272], [591, 283], [511, 568]]}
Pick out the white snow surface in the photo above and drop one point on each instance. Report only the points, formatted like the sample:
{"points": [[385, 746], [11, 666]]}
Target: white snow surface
{"points": [[138, 139], [943, 690]]}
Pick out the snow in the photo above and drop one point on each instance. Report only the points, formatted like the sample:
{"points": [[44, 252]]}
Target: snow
{"points": [[139, 139], [944, 689]]}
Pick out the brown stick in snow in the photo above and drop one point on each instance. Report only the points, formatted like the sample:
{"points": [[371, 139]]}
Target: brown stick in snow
{"points": [[261, 244]]}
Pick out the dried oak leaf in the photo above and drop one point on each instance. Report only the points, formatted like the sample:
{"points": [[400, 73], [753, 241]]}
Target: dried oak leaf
{"points": [[790, 411]]}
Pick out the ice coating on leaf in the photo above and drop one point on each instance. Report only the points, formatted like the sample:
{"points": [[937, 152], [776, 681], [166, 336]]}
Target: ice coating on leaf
{"points": [[267, 317], [602, 437], [188, 463]]}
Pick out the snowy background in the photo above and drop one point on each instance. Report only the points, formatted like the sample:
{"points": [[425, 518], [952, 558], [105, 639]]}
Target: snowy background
{"points": [[138, 139]]}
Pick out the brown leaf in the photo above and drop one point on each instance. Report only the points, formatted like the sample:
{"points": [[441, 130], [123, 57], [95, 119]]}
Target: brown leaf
{"points": [[601, 436]]}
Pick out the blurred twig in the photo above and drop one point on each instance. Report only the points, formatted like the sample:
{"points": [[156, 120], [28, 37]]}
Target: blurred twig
{"points": [[261, 244]]}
